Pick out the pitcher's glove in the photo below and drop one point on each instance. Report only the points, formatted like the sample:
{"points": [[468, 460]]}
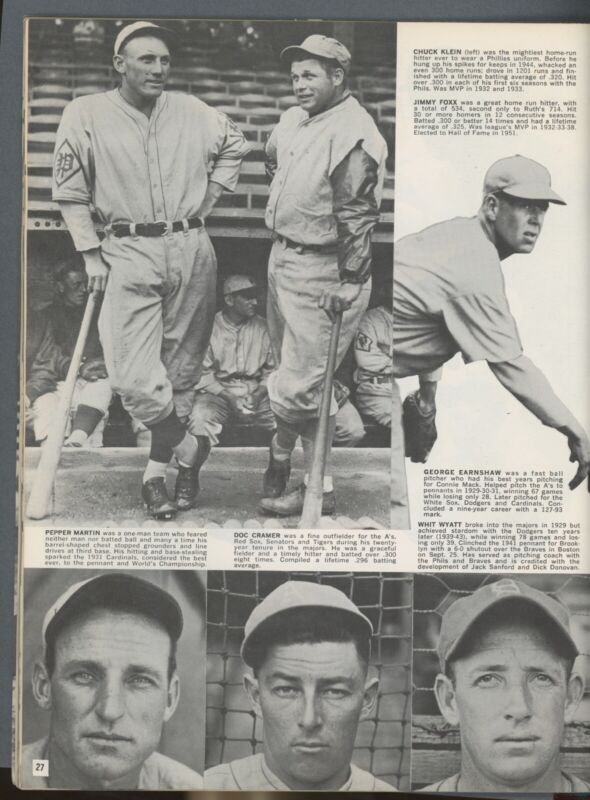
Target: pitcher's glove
{"points": [[419, 429]]}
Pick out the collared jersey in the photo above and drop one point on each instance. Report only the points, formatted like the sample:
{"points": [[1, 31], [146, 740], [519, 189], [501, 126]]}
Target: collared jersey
{"points": [[157, 772], [373, 344], [306, 151], [570, 784], [139, 169], [252, 772], [449, 296], [236, 352]]}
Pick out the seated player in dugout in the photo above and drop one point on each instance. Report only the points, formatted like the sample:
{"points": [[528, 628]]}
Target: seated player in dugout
{"points": [[308, 648], [51, 338], [508, 682], [108, 680], [449, 297]]}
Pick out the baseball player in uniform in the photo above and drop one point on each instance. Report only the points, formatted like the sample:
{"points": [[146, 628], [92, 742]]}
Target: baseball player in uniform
{"points": [[238, 362], [151, 165], [508, 681], [308, 647], [327, 159], [108, 679], [449, 297]]}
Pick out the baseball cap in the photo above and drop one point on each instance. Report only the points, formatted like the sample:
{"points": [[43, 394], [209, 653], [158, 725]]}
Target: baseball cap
{"points": [[237, 283], [299, 594], [463, 613], [135, 28], [521, 177], [323, 46], [119, 591]]}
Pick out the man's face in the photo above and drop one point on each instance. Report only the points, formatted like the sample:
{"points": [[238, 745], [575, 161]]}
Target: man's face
{"points": [[311, 698], [109, 695], [518, 223], [511, 699], [315, 88], [144, 65], [73, 288], [243, 303]]}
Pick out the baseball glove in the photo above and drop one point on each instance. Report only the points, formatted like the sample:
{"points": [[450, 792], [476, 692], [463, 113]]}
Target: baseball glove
{"points": [[419, 429]]}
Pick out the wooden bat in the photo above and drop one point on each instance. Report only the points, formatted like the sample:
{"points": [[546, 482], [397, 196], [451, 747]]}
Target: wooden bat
{"points": [[41, 490], [312, 503]]}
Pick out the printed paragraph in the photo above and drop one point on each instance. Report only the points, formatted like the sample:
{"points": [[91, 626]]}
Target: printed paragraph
{"points": [[499, 546]]}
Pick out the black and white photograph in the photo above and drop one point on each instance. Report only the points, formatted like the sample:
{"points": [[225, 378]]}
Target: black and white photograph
{"points": [[208, 270], [308, 681], [500, 672], [490, 259], [113, 676]]}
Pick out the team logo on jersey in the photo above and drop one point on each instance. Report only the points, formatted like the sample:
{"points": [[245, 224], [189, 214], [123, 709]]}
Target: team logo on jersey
{"points": [[363, 342], [66, 163]]}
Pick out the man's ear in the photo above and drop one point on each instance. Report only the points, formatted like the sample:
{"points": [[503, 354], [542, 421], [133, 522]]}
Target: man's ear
{"points": [[338, 76], [41, 685], [172, 697], [370, 696], [119, 63], [446, 698], [253, 691], [490, 207], [575, 692]]}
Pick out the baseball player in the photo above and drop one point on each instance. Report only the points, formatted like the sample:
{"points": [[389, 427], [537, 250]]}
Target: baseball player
{"points": [[152, 165], [508, 681], [237, 364], [449, 297], [308, 647], [328, 162], [108, 679]]}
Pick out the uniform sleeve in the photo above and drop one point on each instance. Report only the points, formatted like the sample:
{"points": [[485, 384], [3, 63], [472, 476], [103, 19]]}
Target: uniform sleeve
{"points": [[483, 327], [270, 155], [48, 367], [209, 382], [368, 354], [354, 181], [72, 159], [232, 150]]}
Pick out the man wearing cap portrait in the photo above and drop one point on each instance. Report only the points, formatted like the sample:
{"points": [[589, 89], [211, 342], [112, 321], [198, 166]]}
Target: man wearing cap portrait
{"points": [[151, 164], [326, 159], [109, 682], [449, 296], [508, 682], [308, 647]]}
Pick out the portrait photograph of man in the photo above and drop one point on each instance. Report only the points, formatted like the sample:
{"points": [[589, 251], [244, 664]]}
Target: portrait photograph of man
{"points": [[113, 676], [500, 668], [307, 681]]}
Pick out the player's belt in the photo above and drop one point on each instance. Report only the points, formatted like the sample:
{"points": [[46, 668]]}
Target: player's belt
{"points": [[378, 379], [304, 248], [162, 228]]}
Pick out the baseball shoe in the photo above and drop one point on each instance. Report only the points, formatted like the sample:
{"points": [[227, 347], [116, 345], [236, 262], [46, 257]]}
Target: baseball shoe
{"points": [[291, 503], [156, 499], [186, 489], [276, 476]]}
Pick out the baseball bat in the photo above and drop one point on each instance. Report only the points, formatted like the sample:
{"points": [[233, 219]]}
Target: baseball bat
{"points": [[39, 499], [312, 503]]}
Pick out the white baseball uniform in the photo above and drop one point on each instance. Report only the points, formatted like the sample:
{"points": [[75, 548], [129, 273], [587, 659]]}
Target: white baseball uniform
{"points": [[159, 306]]}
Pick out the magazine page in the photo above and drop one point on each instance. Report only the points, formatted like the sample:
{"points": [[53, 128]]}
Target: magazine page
{"points": [[207, 348], [490, 352]]}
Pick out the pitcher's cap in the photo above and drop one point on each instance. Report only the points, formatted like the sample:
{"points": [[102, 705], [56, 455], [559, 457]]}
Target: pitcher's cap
{"points": [[301, 594], [137, 28], [521, 177], [463, 613], [117, 591], [317, 45]]}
